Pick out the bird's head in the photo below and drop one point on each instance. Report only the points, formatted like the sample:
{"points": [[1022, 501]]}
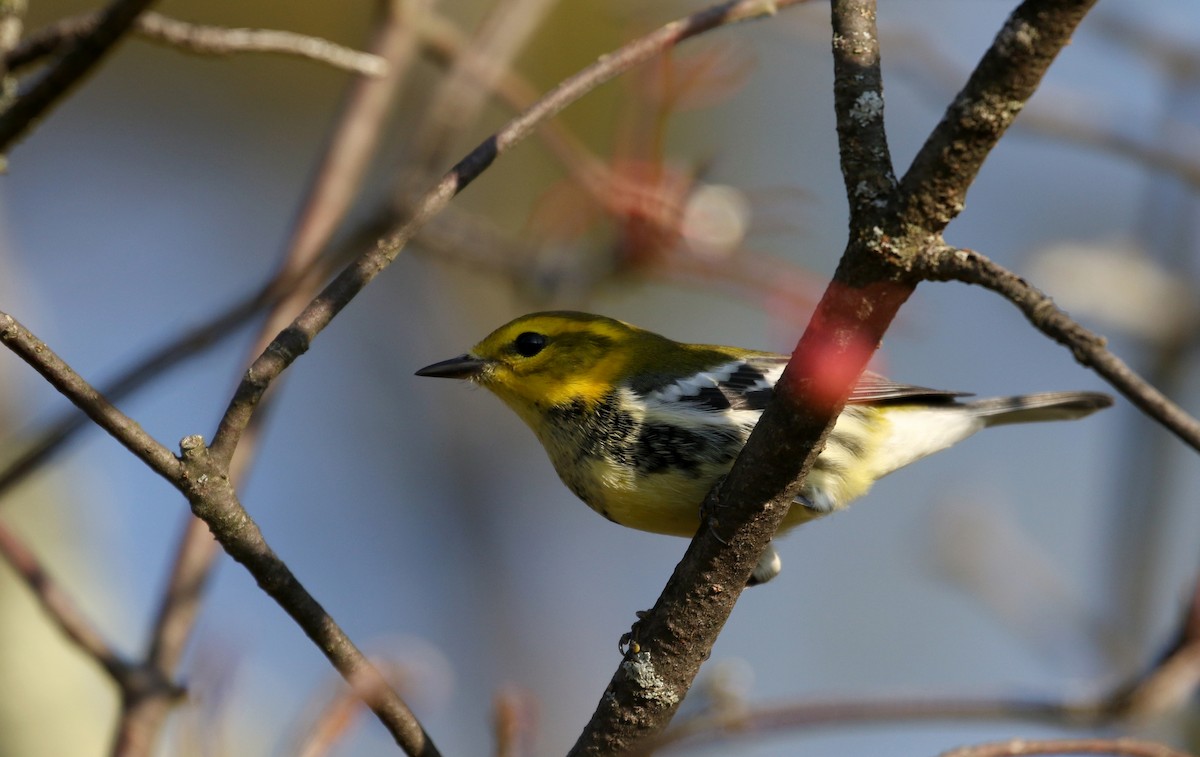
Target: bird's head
{"points": [[550, 359]]}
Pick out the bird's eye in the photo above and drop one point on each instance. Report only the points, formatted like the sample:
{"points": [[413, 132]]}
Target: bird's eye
{"points": [[529, 343]]}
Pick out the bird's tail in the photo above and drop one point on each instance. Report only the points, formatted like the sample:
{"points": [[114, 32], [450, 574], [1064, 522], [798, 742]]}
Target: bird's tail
{"points": [[1047, 406]]}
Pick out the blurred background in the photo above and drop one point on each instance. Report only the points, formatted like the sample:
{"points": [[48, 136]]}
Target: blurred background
{"points": [[1048, 561]]}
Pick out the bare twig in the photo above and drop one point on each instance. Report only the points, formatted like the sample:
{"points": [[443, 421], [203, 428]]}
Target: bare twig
{"points": [[114, 23], [179, 348], [947, 263], [295, 340], [61, 376], [443, 43], [201, 40], [216, 40], [1018, 747], [707, 727]]}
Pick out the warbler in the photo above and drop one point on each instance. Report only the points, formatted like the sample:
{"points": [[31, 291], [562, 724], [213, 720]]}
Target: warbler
{"points": [[640, 427]]}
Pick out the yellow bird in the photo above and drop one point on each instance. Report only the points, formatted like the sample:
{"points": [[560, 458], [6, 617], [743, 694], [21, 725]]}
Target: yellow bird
{"points": [[640, 427]]}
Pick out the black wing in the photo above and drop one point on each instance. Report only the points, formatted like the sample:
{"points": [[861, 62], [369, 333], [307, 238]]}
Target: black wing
{"points": [[875, 388]]}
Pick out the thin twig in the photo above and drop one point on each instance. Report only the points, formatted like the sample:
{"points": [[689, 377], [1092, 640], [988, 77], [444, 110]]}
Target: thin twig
{"points": [[672, 640], [216, 40], [950, 264], [88, 49], [295, 340], [1019, 747], [707, 727], [206, 484], [63, 378], [858, 97], [199, 39], [442, 42]]}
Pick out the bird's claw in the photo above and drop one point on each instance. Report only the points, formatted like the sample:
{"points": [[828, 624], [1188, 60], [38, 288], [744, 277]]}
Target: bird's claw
{"points": [[628, 644]]}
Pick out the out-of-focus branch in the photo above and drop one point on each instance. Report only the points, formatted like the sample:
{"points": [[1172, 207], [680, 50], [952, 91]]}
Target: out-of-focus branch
{"points": [[206, 484], [334, 184], [59, 606], [471, 80], [1114, 747], [936, 74], [192, 342], [132, 680], [12, 21], [871, 283], [295, 340], [946, 263], [63, 378], [114, 23], [199, 39]]}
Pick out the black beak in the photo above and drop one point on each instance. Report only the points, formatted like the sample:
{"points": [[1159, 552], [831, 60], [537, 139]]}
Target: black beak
{"points": [[461, 367]]}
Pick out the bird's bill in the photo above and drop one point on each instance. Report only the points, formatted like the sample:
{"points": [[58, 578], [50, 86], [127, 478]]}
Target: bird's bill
{"points": [[461, 367]]}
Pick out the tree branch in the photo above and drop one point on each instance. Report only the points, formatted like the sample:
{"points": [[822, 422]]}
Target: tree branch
{"points": [[950, 264], [114, 23], [190, 343], [59, 606]]}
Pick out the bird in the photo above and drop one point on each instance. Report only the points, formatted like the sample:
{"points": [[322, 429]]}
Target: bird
{"points": [[640, 426]]}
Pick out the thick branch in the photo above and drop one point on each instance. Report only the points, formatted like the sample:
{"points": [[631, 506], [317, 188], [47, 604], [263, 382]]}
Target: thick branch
{"points": [[1111, 747], [858, 99], [935, 188], [950, 264], [59, 606], [114, 23]]}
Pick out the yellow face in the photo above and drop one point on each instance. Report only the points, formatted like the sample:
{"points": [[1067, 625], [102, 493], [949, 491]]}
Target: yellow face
{"points": [[553, 358]]}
